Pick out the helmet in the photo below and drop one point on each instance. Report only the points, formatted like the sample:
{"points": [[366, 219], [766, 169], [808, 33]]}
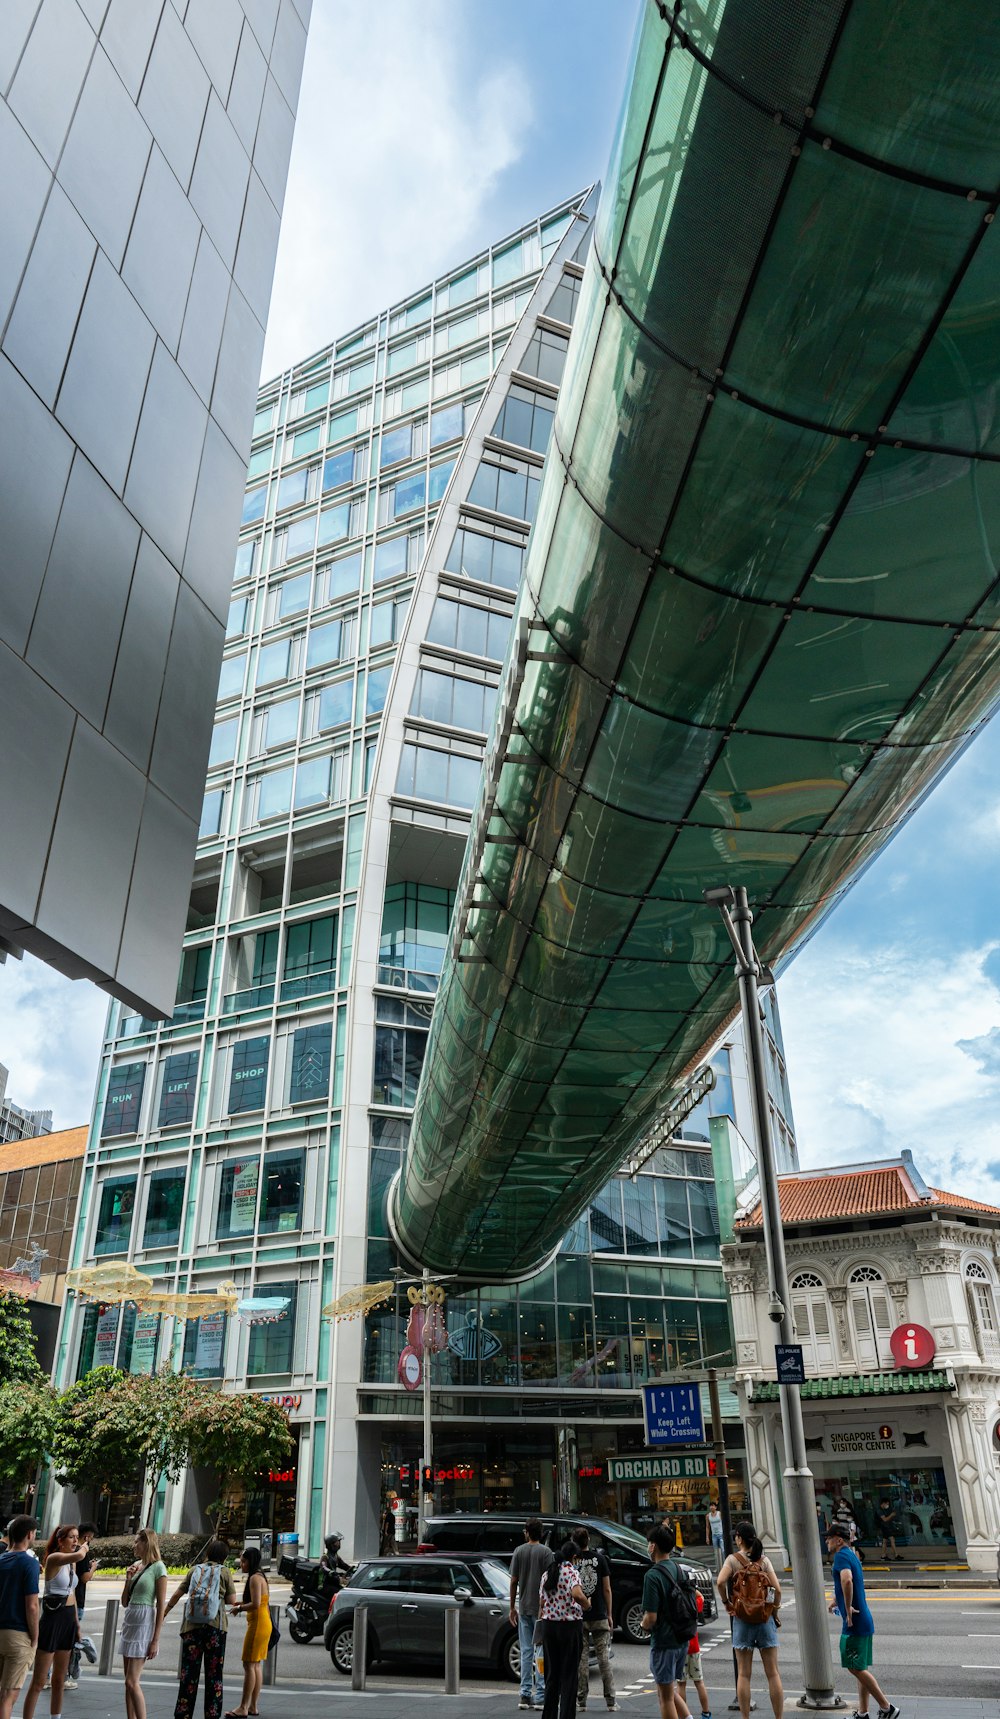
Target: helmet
{"points": [[333, 1542]]}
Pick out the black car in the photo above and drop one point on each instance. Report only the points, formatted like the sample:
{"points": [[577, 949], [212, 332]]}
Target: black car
{"points": [[407, 1598], [497, 1535]]}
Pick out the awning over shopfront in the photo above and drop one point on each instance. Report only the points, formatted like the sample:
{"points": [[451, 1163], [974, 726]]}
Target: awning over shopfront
{"points": [[760, 612], [861, 1385]]}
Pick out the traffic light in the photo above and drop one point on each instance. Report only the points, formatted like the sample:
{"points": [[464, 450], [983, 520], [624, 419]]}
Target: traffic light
{"points": [[427, 1478]]}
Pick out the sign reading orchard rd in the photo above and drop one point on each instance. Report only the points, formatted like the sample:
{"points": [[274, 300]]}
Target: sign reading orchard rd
{"points": [[657, 1467]]}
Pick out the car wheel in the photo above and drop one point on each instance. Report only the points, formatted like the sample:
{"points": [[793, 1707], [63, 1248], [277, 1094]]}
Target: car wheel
{"points": [[510, 1658], [631, 1622], [342, 1649]]}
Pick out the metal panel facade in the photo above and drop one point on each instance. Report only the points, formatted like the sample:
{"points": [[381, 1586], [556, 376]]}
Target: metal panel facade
{"points": [[139, 212]]}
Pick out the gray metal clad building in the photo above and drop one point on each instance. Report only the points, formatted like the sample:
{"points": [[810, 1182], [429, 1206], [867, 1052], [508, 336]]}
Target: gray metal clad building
{"points": [[145, 146]]}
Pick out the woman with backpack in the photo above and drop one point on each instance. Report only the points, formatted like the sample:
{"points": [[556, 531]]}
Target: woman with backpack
{"points": [[561, 1605], [209, 1588], [751, 1594], [143, 1599], [258, 1637]]}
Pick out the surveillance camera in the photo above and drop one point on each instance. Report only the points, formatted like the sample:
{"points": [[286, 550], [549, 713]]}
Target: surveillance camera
{"points": [[775, 1310]]}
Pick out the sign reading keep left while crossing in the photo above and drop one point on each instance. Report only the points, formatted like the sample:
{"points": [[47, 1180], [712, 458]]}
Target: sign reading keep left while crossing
{"points": [[672, 1414]]}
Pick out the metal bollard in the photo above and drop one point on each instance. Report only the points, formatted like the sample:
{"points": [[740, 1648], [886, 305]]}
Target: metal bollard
{"points": [[359, 1646], [108, 1639], [271, 1661], [452, 1661]]}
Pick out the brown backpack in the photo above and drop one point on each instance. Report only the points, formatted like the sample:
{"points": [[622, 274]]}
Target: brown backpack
{"points": [[749, 1588]]}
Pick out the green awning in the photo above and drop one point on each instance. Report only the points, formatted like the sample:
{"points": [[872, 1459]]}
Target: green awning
{"points": [[866, 1385], [760, 610]]}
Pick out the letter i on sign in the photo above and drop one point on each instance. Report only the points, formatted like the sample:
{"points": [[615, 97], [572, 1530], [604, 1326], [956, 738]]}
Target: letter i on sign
{"points": [[910, 1342]]}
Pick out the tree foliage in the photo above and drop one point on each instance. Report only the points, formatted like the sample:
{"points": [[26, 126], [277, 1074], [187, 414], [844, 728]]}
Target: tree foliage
{"points": [[28, 1415], [97, 1438], [238, 1437], [18, 1356]]}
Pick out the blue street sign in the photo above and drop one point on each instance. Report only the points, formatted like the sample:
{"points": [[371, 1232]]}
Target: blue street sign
{"points": [[789, 1362], [672, 1414]]}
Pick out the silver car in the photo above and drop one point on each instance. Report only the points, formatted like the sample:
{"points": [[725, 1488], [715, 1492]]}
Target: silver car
{"points": [[407, 1599]]}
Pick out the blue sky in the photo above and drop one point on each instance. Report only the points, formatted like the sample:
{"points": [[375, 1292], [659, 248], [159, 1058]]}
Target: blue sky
{"points": [[425, 131]]}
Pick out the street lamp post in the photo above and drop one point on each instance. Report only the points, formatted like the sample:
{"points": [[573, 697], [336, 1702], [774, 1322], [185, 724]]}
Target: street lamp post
{"points": [[800, 1496]]}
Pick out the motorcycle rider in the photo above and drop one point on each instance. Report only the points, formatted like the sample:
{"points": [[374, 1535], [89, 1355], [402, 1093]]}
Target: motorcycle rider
{"points": [[332, 1564]]}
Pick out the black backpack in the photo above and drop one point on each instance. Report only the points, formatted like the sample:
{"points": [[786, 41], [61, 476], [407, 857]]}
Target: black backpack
{"points": [[680, 1603]]}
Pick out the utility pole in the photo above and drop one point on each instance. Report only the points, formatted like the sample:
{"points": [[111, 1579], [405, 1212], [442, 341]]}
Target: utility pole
{"points": [[427, 1459], [800, 1494]]}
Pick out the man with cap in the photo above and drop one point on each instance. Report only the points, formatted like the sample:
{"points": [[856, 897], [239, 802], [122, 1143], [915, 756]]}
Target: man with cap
{"points": [[856, 1621]]}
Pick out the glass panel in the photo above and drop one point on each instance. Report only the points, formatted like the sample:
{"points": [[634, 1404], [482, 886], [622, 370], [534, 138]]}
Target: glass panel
{"points": [[164, 1208], [312, 782], [281, 1194], [274, 798], [179, 1089], [114, 1217], [205, 1346], [335, 704], [310, 1078], [124, 1099], [271, 1345], [248, 1079]]}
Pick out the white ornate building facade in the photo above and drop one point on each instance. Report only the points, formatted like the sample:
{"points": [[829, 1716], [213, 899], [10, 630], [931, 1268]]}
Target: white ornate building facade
{"points": [[894, 1292]]}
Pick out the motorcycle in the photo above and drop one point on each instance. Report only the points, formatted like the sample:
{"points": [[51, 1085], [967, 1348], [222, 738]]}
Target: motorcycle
{"points": [[314, 1583]]}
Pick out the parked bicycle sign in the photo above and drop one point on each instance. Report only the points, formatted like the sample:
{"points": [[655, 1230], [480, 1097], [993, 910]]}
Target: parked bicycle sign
{"points": [[658, 1467]]}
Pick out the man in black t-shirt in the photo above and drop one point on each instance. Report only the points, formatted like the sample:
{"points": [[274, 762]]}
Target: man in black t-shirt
{"points": [[84, 1570], [888, 1524], [598, 1623]]}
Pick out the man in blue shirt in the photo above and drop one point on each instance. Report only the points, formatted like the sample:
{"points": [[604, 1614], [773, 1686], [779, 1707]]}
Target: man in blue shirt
{"points": [[18, 1610], [856, 1622]]}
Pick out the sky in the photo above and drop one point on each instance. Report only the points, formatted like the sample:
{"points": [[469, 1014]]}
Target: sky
{"points": [[425, 132]]}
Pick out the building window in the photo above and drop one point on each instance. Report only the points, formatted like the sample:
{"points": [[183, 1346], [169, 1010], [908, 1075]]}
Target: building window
{"points": [[205, 1346], [526, 419], [223, 747], [237, 1210], [457, 703], [387, 621], [211, 814], [444, 778], [248, 1077], [179, 1089], [400, 1042], [811, 1316], [310, 1064], [339, 578], [124, 1099], [164, 1209], [335, 704], [870, 1316], [231, 676], [505, 488], [490, 560], [415, 920], [545, 356], [474, 632], [310, 957], [114, 1218], [272, 1345], [983, 1310], [281, 1195]]}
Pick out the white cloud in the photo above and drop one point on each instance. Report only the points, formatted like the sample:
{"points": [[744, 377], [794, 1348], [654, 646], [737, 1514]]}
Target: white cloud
{"points": [[890, 1046], [398, 146], [51, 1030]]}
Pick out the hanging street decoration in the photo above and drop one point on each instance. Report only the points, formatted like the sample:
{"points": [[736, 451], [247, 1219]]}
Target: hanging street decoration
{"points": [[425, 1328], [114, 1284], [263, 1309], [359, 1300]]}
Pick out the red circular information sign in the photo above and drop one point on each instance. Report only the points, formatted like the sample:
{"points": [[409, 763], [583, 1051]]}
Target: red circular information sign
{"points": [[912, 1346], [409, 1368]]}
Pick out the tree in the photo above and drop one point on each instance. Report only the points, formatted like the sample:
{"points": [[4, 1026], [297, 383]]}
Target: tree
{"points": [[239, 1437], [96, 1441], [18, 1356], [28, 1415]]}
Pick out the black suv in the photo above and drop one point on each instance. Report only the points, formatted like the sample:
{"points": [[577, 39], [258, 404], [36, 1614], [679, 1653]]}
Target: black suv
{"points": [[498, 1535]]}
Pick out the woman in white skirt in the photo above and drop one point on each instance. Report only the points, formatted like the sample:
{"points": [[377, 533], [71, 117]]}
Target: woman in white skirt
{"points": [[144, 1597]]}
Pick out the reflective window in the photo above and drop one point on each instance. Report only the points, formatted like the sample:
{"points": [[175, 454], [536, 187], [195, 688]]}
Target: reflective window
{"points": [[293, 596], [525, 419], [264, 420], [312, 783], [245, 557], [505, 489], [344, 424], [237, 1209], [437, 481], [377, 689], [211, 814], [272, 1345], [491, 560], [447, 423], [296, 539], [274, 793], [237, 622], [400, 1043], [387, 620], [460, 703], [324, 645], [179, 1089], [310, 1064], [248, 1077], [391, 557], [335, 703], [339, 578], [164, 1209], [114, 1216], [508, 265], [408, 494], [231, 675], [124, 1098], [462, 289], [396, 445], [281, 723], [310, 954], [281, 1194], [292, 489], [415, 920], [335, 523], [545, 356], [562, 305], [317, 396], [253, 504], [443, 777], [338, 469], [272, 663], [223, 747], [306, 441], [205, 1346], [461, 627]]}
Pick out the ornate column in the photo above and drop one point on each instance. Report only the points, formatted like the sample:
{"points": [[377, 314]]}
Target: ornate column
{"points": [[842, 1335], [975, 1468], [758, 1428]]}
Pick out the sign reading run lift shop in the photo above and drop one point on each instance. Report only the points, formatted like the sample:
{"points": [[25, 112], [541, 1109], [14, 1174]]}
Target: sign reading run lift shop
{"points": [[658, 1467]]}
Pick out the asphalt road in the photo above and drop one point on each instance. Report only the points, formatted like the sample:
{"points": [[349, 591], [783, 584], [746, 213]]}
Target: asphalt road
{"points": [[932, 1649]]}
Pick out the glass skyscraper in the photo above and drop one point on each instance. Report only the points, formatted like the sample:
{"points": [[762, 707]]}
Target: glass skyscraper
{"points": [[390, 493]]}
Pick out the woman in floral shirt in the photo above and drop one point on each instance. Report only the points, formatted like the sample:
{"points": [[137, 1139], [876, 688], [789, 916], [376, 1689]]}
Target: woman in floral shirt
{"points": [[561, 1605]]}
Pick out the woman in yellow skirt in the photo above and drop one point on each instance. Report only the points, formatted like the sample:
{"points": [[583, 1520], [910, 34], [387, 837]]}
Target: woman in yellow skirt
{"points": [[258, 1637]]}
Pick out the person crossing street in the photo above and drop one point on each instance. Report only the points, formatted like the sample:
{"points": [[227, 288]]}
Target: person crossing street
{"points": [[598, 1625]]}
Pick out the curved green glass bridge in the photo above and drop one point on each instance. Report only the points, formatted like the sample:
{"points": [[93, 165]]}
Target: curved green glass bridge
{"points": [[760, 613]]}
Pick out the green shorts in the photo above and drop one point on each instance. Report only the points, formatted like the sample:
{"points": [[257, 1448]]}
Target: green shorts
{"points": [[856, 1652]]}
